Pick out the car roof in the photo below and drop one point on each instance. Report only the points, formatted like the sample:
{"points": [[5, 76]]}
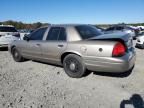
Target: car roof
{"points": [[65, 25], [6, 26]]}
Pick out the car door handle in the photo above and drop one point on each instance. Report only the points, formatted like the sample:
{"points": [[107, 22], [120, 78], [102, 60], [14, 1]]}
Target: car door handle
{"points": [[60, 46]]}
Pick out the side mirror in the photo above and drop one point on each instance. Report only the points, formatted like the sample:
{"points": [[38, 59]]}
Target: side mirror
{"points": [[26, 38]]}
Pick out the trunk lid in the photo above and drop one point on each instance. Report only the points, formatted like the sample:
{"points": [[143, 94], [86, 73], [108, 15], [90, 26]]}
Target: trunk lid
{"points": [[125, 37]]}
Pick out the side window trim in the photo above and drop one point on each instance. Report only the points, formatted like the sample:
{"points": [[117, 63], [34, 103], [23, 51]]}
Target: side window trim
{"points": [[58, 34], [46, 33], [50, 31], [65, 35]]}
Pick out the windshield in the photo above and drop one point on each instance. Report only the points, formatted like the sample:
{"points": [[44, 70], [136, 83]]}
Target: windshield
{"points": [[7, 29], [87, 31]]}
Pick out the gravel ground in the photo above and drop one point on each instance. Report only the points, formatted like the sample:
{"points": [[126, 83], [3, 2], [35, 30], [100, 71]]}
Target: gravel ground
{"points": [[36, 85]]}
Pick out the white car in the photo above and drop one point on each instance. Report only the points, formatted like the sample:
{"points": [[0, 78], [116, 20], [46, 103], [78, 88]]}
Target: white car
{"points": [[7, 35], [140, 41], [24, 32], [121, 28], [141, 27]]}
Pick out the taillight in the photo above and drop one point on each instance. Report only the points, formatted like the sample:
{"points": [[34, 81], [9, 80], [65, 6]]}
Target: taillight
{"points": [[119, 50]]}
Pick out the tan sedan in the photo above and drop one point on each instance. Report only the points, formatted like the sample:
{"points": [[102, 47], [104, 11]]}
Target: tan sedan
{"points": [[77, 48]]}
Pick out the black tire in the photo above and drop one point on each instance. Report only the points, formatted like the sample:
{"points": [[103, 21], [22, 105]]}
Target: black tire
{"points": [[143, 46], [16, 55], [74, 66]]}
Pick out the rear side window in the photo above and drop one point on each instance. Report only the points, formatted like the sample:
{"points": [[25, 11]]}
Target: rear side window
{"points": [[57, 33], [87, 31], [7, 29], [38, 34]]}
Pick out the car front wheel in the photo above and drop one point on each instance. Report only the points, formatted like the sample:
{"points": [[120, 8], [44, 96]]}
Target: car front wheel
{"points": [[16, 55], [143, 46], [74, 66]]}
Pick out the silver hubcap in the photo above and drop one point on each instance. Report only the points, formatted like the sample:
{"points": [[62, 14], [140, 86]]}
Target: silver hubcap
{"points": [[16, 54], [72, 66]]}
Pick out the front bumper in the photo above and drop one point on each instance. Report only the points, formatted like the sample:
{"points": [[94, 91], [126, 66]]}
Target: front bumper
{"points": [[3, 45], [109, 64]]}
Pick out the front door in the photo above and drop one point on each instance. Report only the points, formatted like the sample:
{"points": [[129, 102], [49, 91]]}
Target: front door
{"points": [[32, 47]]}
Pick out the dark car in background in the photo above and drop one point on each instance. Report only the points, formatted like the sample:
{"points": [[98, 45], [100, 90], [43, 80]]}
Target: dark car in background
{"points": [[123, 28]]}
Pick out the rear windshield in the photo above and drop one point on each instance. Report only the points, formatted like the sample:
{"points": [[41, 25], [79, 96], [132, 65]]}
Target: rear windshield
{"points": [[87, 31], [7, 29]]}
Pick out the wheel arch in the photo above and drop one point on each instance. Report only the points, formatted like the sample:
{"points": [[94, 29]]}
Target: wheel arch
{"points": [[67, 53], [13, 46]]}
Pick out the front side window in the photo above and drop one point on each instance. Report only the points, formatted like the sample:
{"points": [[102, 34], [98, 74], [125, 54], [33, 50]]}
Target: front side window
{"points": [[38, 34], [87, 31]]}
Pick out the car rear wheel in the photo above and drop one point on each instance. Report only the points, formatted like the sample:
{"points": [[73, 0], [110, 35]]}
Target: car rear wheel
{"points": [[16, 55], [74, 66]]}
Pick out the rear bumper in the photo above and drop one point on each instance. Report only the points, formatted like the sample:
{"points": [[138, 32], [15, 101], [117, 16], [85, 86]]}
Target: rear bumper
{"points": [[139, 45], [114, 65], [3, 44]]}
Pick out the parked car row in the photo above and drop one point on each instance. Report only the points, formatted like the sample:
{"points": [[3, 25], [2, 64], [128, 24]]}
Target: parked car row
{"points": [[136, 32], [133, 31], [140, 27], [77, 48], [140, 41], [9, 33]]}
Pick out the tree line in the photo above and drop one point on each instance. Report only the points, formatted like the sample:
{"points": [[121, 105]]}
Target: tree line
{"points": [[21, 25]]}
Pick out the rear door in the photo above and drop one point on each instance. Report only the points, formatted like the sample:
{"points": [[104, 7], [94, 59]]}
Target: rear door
{"points": [[32, 48], [55, 44]]}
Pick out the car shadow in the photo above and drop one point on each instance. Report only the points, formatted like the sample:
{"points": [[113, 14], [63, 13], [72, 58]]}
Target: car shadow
{"points": [[88, 72], [136, 101], [60, 66], [118, 75], [47, 63], [3, 49]]}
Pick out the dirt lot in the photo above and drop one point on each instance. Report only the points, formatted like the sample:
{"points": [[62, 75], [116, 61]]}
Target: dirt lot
{"points": [[36, 85]]}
